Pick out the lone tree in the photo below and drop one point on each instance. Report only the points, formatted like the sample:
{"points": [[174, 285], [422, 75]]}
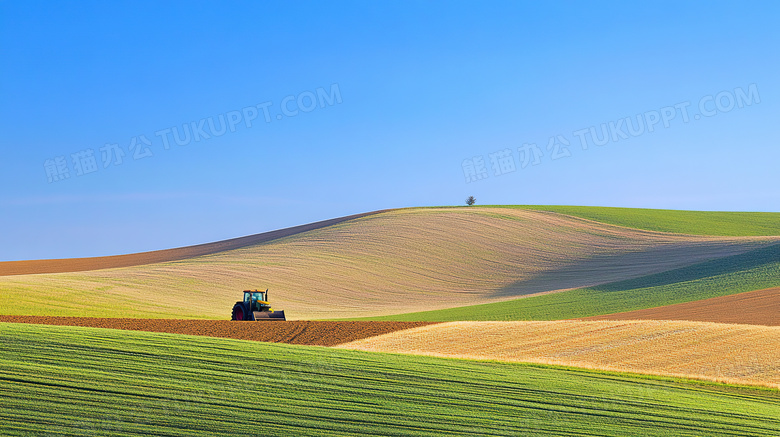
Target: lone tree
{"points": [[471, 200]]}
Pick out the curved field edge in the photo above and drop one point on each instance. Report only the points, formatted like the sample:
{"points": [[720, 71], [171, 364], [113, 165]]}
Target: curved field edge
{"points": [[754, 270], [65, 265], [711, 223], [759, 307], [743, 354], [720, 223], [70, 380]]}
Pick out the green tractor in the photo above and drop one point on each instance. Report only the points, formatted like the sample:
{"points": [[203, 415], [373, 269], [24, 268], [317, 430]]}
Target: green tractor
{"points": [[255, 306]]}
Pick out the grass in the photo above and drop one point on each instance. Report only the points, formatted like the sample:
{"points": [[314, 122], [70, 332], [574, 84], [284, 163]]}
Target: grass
{"points": [[754, 270], [433, 258], [87, 381], [667, 220]]}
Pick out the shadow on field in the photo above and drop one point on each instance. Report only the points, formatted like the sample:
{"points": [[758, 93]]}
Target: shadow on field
{"points": [[647, 268], [721, 266]]}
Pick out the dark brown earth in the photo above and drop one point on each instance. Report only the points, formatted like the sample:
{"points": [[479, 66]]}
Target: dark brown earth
{"points": [[313, 333], [8, 268], [760, 307]]}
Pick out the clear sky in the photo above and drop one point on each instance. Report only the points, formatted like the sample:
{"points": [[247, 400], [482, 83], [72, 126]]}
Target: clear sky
{"points": [[291, 112]]}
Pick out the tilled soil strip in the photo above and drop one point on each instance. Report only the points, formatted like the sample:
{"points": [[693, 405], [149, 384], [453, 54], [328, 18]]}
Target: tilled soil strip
{"points": [[314, 333]]}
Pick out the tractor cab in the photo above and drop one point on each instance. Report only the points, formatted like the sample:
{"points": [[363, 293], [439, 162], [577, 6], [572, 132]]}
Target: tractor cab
{"points": [[257, 300]]}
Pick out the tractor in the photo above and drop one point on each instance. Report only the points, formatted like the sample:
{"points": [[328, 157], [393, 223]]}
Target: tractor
{"points": [[255, 306]]}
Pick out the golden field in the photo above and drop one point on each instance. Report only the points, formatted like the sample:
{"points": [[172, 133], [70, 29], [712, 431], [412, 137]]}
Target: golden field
{"points": [[743, 354]]}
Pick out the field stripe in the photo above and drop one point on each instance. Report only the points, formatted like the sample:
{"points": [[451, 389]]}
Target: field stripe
{"points": [[742, 354], [759, 307], [315, 333], [732, 223]]}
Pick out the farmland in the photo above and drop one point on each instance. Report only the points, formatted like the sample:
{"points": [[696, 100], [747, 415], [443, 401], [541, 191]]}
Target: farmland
{"points": [[759, 307], [751, 271], [736, 353], [70, 380], [381, 264], [714, 351], [675, 221], [406, 374], [31, 267], [317, 333]]}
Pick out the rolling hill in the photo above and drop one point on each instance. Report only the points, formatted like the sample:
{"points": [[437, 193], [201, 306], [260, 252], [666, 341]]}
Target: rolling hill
{"points": [[32, 267], [390, 262], [730, 275], [725, 223]]}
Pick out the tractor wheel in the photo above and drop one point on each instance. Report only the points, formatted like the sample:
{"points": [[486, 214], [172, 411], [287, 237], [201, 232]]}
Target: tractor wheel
{"points": [[238, 312]]}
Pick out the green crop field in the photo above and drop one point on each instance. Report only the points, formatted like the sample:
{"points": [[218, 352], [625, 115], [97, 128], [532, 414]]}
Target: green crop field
{"points": [[750, 271], [64, 380], [667, 220]]}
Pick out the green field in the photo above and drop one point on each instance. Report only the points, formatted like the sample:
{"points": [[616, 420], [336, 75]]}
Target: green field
{"points": [[667, 220], [87, 381], [753, 270]]}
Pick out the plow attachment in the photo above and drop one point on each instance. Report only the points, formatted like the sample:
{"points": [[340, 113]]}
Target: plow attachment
{"points": [[269, 315]]}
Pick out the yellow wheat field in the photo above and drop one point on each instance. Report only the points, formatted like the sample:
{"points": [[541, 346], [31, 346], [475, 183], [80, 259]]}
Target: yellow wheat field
{"points": [[743, 354], [387, 263]]}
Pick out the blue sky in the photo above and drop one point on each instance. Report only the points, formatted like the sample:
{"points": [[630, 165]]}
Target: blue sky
{"points": [[408, 95]]}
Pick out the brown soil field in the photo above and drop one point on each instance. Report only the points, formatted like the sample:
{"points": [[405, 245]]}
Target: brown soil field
{"points": [[740, 354], [8, 268], [760, 307], [299, 332]]}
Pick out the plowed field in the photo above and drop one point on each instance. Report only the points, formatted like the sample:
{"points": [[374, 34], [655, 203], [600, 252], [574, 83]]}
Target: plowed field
{"points": [[300, 332], [34, 267], [760, 307]]}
